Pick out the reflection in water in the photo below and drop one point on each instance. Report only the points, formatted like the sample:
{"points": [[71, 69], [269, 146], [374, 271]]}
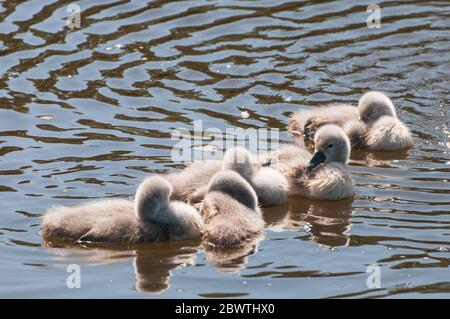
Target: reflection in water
{"points": [[152, 262], [276, 216], [231, 260], [329, 221], [86, 113], [89, 256], [153, 265], [377, 158]]}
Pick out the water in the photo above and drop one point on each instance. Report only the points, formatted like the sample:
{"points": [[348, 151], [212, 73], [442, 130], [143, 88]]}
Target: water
{"points": [[86, 114]]}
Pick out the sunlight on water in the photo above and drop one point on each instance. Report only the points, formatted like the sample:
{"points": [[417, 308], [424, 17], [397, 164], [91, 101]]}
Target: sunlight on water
{"points": [[86, 112]]}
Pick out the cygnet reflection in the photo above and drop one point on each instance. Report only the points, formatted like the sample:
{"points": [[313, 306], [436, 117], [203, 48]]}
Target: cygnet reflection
{"points": [[329, 222]]}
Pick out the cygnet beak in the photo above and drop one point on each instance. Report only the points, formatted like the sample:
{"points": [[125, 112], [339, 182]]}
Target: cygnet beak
{"points": [[317, 159]]}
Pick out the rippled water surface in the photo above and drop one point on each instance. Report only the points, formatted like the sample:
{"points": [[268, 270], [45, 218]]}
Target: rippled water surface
{"points": [[87, 113]]}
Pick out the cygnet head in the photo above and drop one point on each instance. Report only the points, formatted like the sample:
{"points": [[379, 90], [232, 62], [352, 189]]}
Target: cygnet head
{"points": [[331, 145], [373, 105], [240, 160], [152, 195], [232, 184]]}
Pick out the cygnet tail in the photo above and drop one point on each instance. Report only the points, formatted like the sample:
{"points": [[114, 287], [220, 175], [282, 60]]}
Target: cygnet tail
{"points": [[271, 187], [388, 134], [184, 220]]}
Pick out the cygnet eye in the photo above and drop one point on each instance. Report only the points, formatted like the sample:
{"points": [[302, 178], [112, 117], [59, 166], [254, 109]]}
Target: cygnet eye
{"points": [[330, 146]]}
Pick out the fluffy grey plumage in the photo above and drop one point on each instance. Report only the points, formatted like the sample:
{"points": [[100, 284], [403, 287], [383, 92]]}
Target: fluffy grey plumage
{"points": [[230, 211], [322, 175], [192, 179], [373, 105], [150, 217], [326, 178], [372, 125], [270, 186], [388, 134], [385, 132], [192, 183], [304, 124]]}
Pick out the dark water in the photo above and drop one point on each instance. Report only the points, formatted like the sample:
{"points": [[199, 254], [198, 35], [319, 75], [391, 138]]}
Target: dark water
{"points": [[85, 114]]}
